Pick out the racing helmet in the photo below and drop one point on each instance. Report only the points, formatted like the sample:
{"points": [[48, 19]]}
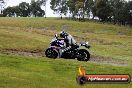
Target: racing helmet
{"points": [[63, 34]]}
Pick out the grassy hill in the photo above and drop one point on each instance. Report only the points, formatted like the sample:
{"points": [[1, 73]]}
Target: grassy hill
{"points": [[30, 72], [109, 42]]}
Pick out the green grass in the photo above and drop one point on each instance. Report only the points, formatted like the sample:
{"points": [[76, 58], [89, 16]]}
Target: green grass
{"points": [[56, 24], [27, 72], [22, 40]]}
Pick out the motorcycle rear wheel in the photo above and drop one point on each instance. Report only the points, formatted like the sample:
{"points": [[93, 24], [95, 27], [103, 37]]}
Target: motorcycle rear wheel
{"points": [[84, 55]]}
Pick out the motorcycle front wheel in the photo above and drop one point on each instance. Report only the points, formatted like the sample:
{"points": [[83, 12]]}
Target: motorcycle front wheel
{"points": [[51, 53]]}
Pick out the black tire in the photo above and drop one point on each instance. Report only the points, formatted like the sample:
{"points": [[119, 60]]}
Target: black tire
{"points": [[81, 80], [84, 55], [51, 53]]}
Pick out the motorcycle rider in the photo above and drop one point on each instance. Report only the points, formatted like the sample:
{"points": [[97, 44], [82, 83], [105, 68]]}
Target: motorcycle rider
{"points": [[69, 41]]}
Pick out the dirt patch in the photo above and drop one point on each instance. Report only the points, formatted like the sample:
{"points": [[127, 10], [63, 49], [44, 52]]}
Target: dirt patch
{"points": [[95, 59], [108, 60], [23, 53]]}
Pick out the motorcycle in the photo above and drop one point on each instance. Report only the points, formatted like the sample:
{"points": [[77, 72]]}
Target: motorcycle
{"points": [[79, 51]]}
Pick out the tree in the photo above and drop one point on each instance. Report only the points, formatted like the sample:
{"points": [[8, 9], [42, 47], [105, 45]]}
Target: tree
{"points": [[17, 11], [128, 13], [59, 6], [9, 11], [88, 7], [2, 5], [93, 10], [71, 5], [80, 8], [77, 8], [24, 9], [84, 8], [36, 9], [40, 3], [21, 10], [103, 9], [43, 3], [118, 11]]}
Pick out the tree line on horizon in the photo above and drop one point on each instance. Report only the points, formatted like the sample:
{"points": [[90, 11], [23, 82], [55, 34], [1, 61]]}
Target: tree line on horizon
{"points": [[114, 11], [25, 9]]}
